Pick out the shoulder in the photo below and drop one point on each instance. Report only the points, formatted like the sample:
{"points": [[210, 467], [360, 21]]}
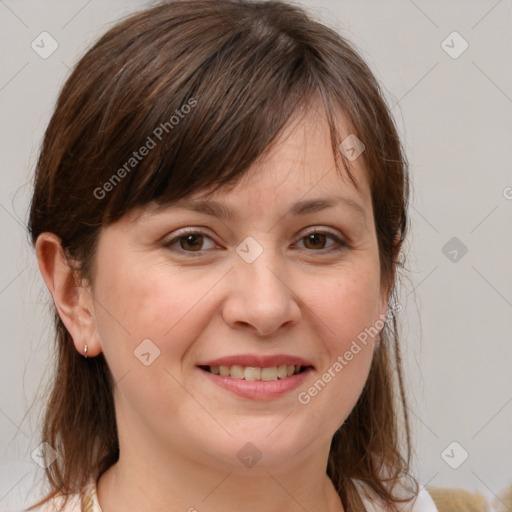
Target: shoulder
{"points": [[85, 501], [60, 504], [423, 502]]}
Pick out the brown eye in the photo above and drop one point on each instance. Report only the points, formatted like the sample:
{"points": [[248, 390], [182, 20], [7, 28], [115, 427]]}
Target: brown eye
{"points": [[191, 242], [315, 240]]}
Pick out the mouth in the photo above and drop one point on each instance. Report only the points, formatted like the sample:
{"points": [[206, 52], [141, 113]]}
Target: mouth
{"points": [[257, 377], [256, 373]]}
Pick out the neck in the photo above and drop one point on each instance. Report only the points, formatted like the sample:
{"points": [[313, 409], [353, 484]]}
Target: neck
{"points": [[163, 484]]}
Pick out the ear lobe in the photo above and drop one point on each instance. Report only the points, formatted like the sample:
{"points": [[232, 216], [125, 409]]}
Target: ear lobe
{"points": [[383, 303], [387, 287], [73, 302]]}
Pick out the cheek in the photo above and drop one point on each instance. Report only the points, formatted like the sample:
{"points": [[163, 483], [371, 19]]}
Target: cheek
{"points": [[141, 301], [349, 305], [348, 312]]}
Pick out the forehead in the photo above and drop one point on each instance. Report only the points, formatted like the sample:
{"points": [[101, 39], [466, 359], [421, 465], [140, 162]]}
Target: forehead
{"points": [[300, 167], [298, 174], [303, 151]]}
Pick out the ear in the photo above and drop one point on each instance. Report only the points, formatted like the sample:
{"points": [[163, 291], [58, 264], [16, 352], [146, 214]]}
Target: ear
{"points": [[385, 292], [74, 303], [387, 286]]}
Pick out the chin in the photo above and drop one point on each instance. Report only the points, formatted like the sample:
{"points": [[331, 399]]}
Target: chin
{"points": [[252, 447]]}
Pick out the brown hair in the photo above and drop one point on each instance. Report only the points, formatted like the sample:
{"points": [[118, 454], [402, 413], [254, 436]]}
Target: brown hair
{"points": [[244, 69]]}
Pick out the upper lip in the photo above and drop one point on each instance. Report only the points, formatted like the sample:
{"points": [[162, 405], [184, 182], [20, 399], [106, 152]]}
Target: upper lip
{"points": [[257, 361]]}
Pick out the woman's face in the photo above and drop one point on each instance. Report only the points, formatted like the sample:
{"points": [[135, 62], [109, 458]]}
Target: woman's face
{"points": [[186, 322]]}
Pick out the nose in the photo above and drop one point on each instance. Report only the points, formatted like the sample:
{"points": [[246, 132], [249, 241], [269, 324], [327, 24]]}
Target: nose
{"points": [[261, 295]]}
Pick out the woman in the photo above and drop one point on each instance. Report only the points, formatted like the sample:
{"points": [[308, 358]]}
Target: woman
{"points": [[219, 207]]}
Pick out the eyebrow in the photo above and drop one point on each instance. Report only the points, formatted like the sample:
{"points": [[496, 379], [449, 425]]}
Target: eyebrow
{"points": [[303, 207]]}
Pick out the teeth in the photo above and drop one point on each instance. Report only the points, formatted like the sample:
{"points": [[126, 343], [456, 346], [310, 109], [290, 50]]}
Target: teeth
{"points": [[282, 371], [237, 372], [269, 374], [252, 373]]}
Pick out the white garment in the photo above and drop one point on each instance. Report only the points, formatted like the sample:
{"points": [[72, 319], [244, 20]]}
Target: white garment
{"points": [[422, 503], [88, 502]]}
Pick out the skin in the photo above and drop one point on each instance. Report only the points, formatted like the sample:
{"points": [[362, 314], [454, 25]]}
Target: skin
{"points": [[179, 433]]}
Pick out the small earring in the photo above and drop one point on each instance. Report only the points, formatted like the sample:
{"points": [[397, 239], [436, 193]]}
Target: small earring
{"points": [[85, 351]]}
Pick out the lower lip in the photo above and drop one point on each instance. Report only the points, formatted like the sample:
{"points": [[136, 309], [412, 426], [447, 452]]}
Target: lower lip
{"points": [[258, 389]]}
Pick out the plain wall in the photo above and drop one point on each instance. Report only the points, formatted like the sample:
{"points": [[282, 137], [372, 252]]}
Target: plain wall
{"points": [[455, 118]]}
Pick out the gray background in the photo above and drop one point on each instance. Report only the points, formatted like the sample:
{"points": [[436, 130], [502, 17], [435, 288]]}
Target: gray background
{"points": [[455, 117]]}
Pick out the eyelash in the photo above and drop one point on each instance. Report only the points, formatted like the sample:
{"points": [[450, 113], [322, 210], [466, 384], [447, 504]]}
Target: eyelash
{"points": [[192, 231]]}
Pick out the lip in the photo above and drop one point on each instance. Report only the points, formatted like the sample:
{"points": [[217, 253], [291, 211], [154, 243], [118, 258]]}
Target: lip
{"points": [[257, 361], [258, 389]]}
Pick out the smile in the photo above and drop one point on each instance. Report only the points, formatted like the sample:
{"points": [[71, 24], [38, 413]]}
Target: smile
{"points": [[249, 381], [254, 373]]}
